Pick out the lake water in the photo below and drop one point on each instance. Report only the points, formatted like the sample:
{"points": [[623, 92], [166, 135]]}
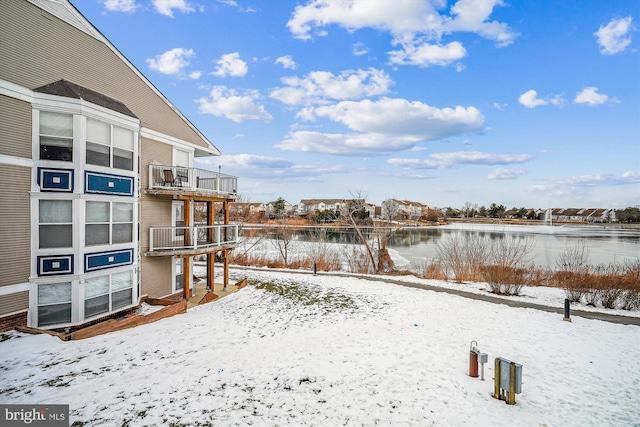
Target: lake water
{"points": [[605, 244], [417, 244]]}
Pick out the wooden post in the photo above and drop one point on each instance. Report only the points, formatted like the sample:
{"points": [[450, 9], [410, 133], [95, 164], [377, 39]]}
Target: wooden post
{"points": [[511, 397], [496, 383], [226, 270], [210, 274], [211, 220], [187, 223], [225, 207], [187, 278]]}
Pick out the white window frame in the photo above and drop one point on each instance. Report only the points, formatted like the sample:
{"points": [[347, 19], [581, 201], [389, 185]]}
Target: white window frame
{"points": [[109, 293], [111, 145], [41, 224], [110, 223]]}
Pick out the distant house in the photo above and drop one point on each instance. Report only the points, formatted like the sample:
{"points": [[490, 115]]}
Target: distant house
{"points": [[583, 215], [270, 209], [309, 206], [404, 209], [97, 176]]}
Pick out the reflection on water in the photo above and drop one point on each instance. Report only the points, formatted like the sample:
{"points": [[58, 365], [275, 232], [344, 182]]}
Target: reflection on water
{"points": [[419, 244]]}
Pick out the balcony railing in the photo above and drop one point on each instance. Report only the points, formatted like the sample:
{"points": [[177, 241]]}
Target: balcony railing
{"points": [[191, 179], [192, 238]]}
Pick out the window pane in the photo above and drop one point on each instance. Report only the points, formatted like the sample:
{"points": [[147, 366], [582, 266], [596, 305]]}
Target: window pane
{"points": [[96, 286], [55, 236], [54, 292], [96, 234], [98, 154], [121, 299], [97, 211], [121, 281], [56, 124], [56, 149], [55, 211], [122, 233], [123, 138], [122, 212], [96, 305], [122, 159], [98, 132], [54, 314]]}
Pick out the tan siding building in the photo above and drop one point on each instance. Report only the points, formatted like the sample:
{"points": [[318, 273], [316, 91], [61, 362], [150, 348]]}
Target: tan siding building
{"points": [[96, 165]]}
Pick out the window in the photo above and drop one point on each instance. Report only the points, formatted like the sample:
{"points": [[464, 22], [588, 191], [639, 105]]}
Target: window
{"points": [[56, 136], [108, 293], [55, 228], [108, 223], [54, 303], [109, 145]]}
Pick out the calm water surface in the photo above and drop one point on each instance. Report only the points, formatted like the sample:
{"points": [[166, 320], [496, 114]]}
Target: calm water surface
{"points": [[605, 243]]}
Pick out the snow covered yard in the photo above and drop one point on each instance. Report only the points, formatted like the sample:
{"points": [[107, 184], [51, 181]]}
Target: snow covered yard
{"points": [[326, 350]]}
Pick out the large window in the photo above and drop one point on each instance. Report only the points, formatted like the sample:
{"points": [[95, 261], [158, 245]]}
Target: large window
{"points": [[107, 293], [56, 136], [55, 228], [108, 223], [54, 303], [109, 145]]}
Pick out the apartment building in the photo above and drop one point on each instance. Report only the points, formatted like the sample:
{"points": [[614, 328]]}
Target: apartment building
{"points": [[97, 177]]}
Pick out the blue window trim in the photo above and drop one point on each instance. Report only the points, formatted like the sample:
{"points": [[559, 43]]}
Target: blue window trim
{"points": [[103, 260], [105, 176], [45, 267], [42, 177]]}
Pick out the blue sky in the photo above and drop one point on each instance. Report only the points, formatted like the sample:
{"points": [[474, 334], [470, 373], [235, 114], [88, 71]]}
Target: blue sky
{"points": [[520, 103]]}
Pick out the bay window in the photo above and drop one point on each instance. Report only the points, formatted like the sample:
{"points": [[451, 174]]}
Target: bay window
{"points": [[107, 293], [56, 136], [54, 303], [108, 223], [55, 224], [109, 145]]}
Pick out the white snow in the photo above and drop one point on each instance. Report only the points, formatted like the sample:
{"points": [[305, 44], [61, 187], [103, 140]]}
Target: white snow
{"points": [[337, 350]]}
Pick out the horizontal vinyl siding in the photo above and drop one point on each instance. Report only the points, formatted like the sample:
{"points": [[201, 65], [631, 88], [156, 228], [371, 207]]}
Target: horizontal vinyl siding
{"points": [[15, 127], [154, 152], [37, 49], [156, 212], [156, 276], [14, 302], [15, 224]]}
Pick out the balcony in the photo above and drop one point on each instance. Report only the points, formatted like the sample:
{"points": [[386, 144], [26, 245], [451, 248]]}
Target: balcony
{"points": [[177, 179], [196, 240]]}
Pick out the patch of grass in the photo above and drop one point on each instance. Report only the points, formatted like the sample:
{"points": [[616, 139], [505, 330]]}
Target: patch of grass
{"points": [[308, 295]]}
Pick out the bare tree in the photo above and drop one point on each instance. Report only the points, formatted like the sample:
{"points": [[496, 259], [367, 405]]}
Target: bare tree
{"points": [[282, 237]]}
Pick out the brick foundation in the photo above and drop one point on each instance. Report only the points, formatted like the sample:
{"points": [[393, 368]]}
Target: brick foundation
{"points": [[13, 321]]}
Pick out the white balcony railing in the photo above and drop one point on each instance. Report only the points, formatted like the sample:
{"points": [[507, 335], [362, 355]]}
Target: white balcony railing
{"points": [[191, 179], [192, 238]]}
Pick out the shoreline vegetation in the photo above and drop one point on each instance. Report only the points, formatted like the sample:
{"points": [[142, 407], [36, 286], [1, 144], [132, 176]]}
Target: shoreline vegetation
{"points": [[503, 264]]}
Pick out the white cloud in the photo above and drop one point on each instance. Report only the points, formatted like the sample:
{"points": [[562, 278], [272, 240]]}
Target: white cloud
{"points": [[225, 102], [344, 144], [172, 62], [614, 37], [393, 116], [121, 5], [242, 161], [382, 127], [195, 75], [230, 64], [530, 99], [166, 7], [413, 24], [447, 160], [359, 49], [286, 62], [427, 54], [501, 173], [581, 182], [318, 86], [590, 96]]}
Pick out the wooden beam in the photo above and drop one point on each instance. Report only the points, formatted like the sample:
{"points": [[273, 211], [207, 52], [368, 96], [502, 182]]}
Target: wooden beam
{"points": [[226, 270], [187, 222], [186, 277], [211, 259]]}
